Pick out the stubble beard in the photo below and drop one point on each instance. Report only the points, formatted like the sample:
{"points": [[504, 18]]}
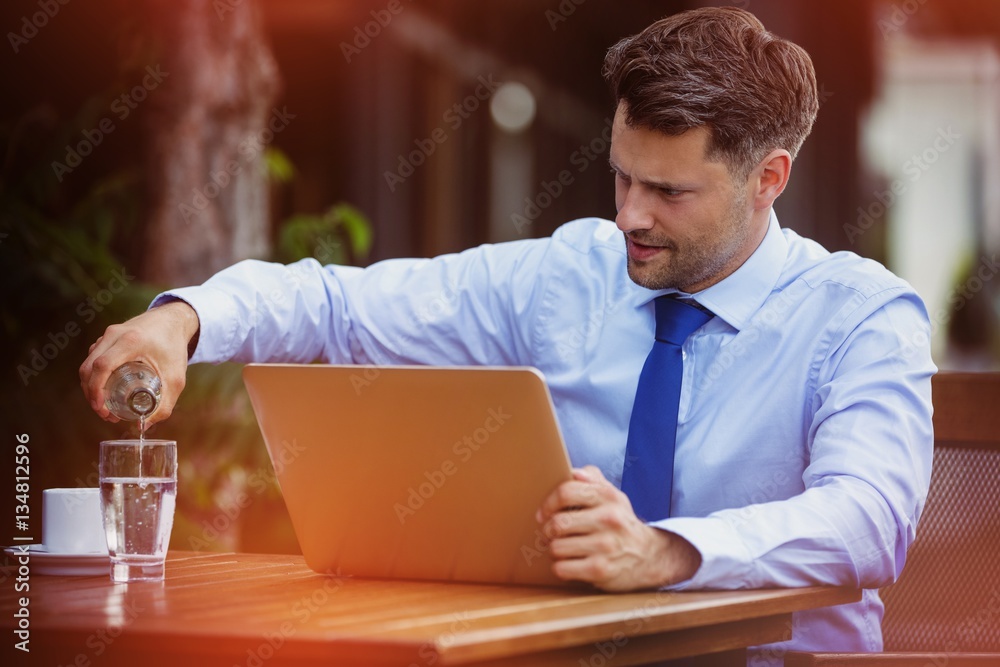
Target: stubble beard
{"points": [[692, 264]]}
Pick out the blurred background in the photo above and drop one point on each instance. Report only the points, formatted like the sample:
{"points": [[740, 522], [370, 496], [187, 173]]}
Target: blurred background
{"points": [[148, 144]]}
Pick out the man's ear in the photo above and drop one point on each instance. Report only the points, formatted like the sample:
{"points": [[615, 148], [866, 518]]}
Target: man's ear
{"points": [[769, 178]]}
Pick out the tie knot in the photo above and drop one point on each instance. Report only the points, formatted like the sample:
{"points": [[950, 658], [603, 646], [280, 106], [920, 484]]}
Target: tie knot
{"points": [[676, 320]]}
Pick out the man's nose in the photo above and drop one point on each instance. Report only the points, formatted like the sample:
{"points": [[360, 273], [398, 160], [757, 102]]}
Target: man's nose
{"points": [[635, 212]]}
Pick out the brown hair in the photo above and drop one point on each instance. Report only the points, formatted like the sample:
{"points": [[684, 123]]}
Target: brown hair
{"points": [[718, 67]]}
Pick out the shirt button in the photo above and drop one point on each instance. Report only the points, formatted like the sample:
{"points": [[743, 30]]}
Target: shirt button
{"points": [[684, 355]]}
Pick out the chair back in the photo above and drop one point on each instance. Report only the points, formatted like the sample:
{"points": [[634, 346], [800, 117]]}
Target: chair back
{"points": [[948, 596]]}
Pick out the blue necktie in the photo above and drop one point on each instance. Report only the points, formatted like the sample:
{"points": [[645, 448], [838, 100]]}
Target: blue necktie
{"points": [[649, 455]]}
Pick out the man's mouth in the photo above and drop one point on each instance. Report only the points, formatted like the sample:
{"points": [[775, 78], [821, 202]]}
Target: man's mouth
{"points": [[640, 251]]}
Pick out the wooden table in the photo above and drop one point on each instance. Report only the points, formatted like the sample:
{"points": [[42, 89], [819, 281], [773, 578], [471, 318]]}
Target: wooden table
{"points": [[254, 610]]}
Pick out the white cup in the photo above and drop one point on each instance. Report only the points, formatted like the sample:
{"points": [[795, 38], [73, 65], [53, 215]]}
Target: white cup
{"points": [[71, 521]]}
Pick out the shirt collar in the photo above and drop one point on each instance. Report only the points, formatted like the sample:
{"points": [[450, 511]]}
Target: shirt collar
{"points": [[741, 294]]}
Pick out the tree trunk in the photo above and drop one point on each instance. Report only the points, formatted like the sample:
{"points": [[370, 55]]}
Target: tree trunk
{"points": [[208, 190]]}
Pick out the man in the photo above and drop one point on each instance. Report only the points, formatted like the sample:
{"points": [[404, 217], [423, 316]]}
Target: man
{"points": [[803, 434]]}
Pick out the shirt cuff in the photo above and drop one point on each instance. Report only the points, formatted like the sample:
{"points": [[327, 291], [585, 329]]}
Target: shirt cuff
{"points": [[725, 561], [217, 321]]}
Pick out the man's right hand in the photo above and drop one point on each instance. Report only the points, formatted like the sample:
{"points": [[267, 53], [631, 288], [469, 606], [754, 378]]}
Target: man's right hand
{"points": [[158, 337]]}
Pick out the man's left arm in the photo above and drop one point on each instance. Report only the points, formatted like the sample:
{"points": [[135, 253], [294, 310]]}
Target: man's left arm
{"points": [[870, 443]]}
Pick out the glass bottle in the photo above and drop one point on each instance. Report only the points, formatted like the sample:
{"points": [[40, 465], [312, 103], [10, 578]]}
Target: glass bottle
{"points": [[132, 391]]}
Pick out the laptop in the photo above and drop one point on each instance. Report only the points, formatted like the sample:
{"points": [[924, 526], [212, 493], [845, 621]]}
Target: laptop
{"points": [[413, 472]]}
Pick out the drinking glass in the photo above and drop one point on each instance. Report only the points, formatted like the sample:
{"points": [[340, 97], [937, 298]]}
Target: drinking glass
{"points": [[138, 492]]}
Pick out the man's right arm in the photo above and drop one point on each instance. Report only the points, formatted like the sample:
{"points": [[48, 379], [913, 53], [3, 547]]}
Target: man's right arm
{"points": [[471, 308], [251, 311]]}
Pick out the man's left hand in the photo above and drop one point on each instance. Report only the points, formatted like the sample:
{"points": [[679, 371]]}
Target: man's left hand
{"points": [[595, 536]]}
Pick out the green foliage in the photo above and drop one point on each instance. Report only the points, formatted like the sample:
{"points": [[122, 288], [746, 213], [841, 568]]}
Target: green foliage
{"points": [[64, 281], [69, 251], [279, 168], [324, 236]]}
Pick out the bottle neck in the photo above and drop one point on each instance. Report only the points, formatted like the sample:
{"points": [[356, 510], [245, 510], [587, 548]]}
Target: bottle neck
{"points": [[141, 402]]}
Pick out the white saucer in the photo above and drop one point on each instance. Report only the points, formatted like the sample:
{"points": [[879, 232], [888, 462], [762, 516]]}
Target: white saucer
{"points": [[78, 565]]}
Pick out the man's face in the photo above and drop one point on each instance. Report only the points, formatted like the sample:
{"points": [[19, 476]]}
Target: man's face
{"points": [[687, 224]]}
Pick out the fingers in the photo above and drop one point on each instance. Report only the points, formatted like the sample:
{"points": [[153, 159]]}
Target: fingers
{"points": [[578, 509], [595, 558], [110, 351], [594, 536], [596, 570], [587, 488], [590, 530], [579, 557], [618, 554], [588, 473], [170, 390], [580, 522]]}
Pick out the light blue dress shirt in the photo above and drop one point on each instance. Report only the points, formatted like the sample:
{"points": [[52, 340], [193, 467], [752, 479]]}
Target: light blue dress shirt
{"points": [[804, 431]]}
